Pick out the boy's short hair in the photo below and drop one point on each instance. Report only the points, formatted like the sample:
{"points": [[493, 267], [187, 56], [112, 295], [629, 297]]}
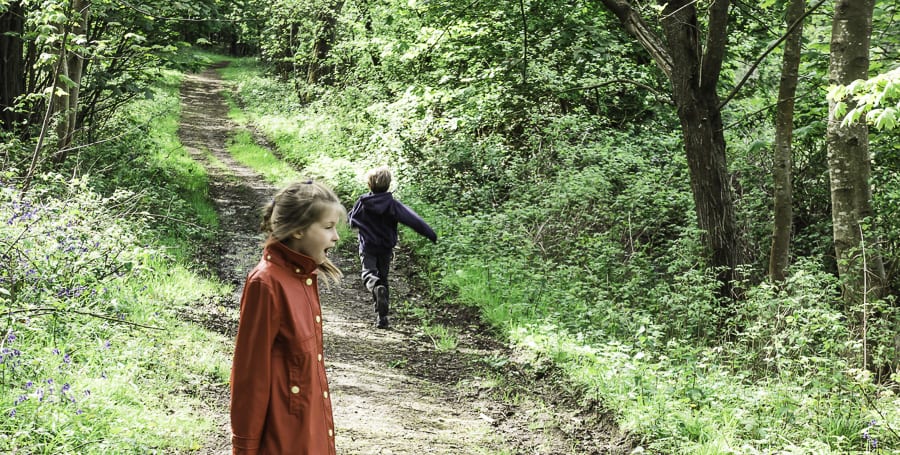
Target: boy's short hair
{"points": [[379, 179]]}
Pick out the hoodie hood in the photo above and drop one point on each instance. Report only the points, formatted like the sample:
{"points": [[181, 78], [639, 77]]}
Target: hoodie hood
{"points": [[378, 203]]}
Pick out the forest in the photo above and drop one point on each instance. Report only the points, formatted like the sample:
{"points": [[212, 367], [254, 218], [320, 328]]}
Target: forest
{"points": [[689, 209]]}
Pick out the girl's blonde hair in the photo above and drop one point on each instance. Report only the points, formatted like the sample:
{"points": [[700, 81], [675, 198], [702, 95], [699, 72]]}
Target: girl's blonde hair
{"points": [[296, 207]]}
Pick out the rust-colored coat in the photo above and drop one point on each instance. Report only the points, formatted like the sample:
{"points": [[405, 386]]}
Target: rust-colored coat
{"points": [[279, 392]]}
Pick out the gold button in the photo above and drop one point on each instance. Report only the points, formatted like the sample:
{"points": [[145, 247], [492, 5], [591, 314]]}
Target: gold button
{"points": [[308, 281], [325, 393], [295, 389], [296, 270], [320, 357], [330, 432], [318, 319]]}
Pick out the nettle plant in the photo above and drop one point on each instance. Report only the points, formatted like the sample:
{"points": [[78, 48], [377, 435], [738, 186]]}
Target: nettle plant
{"points": [[64, 252]]}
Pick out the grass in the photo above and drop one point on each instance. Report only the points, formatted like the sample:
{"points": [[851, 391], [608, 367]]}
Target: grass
{"points": [[97, 362], [244, 149], [442, 337]]}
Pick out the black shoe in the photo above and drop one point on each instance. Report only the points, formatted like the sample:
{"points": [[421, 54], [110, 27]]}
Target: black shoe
{"points": [[382, 322], [381, 300]]}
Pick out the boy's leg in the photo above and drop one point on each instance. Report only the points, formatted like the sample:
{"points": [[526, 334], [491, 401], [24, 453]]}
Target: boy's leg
{"points": [[370, 271], [374, 276], [384, 267], [381, 306]]}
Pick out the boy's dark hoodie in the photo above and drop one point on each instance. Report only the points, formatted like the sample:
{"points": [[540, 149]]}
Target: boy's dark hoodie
{"points": [[376, 215]]}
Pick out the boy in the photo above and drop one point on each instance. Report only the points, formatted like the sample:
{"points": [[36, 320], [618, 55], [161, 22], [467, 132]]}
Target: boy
{"points": [[376, 215]]}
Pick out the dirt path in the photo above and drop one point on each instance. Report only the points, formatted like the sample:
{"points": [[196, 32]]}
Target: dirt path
{"points": [[393, 391]]}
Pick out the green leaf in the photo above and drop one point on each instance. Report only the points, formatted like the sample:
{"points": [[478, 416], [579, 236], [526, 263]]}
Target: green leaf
{"points": [[836, 93], [887, 120], [840, 108]]}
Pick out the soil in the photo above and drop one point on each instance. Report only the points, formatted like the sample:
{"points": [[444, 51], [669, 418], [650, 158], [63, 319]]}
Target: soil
{"points": [[394, 391]]}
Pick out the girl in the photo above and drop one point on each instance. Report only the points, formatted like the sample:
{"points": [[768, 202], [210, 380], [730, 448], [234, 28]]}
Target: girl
{"points": [[280, 400]]}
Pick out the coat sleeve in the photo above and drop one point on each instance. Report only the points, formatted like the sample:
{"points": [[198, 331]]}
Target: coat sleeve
{"points": [[252, 366], [351, 217], [407, 216]]}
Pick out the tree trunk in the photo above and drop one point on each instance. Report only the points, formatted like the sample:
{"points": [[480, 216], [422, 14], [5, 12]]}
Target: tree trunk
{"points": [[67, 104], [848, 158], [76, 66], [319, 71], [779, 255], [12, 64], [59, 110], [694, 75]]}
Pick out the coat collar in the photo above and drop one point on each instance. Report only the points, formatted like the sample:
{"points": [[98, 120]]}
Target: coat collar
{"points": [[279, 254]]}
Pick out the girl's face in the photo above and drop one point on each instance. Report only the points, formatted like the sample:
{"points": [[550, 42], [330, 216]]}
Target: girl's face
{"points": [[318, 238]]}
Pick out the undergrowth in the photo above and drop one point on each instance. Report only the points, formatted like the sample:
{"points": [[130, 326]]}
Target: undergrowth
{"points": [[593, 262], [95, 271]]}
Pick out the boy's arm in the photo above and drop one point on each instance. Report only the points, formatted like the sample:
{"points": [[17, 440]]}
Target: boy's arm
{"points": [[412, 219], [351, 217]]}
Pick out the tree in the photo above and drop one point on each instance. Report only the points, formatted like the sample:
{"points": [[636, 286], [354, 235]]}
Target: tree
{"points": [[12, 63], [693, 68], [861, 271], [69, 79], [779, 255], [319, 70]]}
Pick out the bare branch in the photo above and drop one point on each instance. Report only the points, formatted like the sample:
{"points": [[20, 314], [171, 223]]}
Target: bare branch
{"points": [[767, 52]]}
